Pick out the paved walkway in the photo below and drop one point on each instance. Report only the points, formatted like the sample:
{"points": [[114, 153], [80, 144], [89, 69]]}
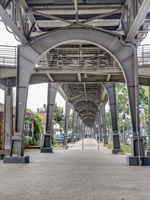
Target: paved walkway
{"points": [[74, 174]]}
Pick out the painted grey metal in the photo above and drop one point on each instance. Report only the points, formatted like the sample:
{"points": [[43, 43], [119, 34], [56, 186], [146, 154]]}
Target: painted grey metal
{"points": [[46, 138], [52, 91], [12, 26], [26, 58], [74, 122], [125, 55], [138, 19], [8, 118], [102, 110], [99, 126], [17, 159], [78, 128], [83, 134], [101, 17], [94, 129], [110, 87], [67, 115]]}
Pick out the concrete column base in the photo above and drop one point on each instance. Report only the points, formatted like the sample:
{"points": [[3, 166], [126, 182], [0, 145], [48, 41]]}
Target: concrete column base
{"points": [[46, 150], [101, 139], [65, 140], [134, 161], [46, 144], [105, 140], [105, 145], [116, 151], [2, 155], [16, 159], [116, 141], [65, 146], [135, 147]]}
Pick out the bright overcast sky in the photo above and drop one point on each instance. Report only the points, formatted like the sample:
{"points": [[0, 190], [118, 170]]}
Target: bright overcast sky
{"points": [[37, 95]]}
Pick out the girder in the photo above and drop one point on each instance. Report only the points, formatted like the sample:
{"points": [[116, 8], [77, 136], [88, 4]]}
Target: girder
{"points": [[32, 19]]}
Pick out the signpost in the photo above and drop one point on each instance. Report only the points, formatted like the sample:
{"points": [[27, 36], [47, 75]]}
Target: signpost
{"points": [[142, 113], [123, 117]]}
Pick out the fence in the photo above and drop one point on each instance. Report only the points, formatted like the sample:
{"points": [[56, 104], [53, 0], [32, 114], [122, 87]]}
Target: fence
{"points": [[8, 56]]}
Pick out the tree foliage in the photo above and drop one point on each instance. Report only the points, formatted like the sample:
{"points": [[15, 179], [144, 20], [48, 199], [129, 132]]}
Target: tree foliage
{"points": [[59, 116], [70, 121], [108, 121], [123, 106], [37, 127]]}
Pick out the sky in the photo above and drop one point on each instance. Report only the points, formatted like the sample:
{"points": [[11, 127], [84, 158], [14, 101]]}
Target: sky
{"points": [[37, 95]]}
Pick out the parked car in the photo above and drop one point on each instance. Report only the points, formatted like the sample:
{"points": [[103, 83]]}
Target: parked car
{"points": [[59, 137]]}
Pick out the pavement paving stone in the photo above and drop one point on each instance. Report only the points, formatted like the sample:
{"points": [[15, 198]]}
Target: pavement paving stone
{"points": [[74, 174]]}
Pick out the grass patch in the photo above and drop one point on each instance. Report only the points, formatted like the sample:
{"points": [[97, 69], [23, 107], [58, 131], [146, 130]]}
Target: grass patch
{"points": [[109, 146], [58, 146], [126, 148]]}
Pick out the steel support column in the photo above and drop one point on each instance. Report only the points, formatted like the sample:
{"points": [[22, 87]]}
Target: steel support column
{"points": [[83, 134], [99, 121], [110, 87], [94, 130], [74, 120], [102, 108], [27, 57], [78, 128], [46, 138], [67, 114], [8, 119]]}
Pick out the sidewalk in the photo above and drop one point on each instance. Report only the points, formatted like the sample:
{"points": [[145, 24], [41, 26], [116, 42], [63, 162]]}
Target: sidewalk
{"points": [[74, 174]]}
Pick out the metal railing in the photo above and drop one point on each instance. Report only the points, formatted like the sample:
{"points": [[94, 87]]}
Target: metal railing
{"points": [[143, 53], [8, 57]]}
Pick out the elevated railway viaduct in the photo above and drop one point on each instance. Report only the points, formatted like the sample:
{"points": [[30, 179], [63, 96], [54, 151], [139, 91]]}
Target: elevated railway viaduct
{"points": [[82, 48]]}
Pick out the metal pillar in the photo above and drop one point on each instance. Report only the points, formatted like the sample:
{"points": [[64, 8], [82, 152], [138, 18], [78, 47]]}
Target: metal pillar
{"points": [[78, 128], [83, 134], [94, 129], [46, 138], [148, 151], [110, 87], [25, 63], [102, 108], [67, 114], [99, 121], [74, 119], [8, 119]]}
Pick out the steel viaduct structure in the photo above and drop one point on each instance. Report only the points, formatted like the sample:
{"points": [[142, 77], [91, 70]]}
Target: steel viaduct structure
{"points": [[81, 48]]}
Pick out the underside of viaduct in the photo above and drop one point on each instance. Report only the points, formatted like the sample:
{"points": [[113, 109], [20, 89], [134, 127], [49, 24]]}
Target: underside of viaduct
{"points": [[83, 58]]}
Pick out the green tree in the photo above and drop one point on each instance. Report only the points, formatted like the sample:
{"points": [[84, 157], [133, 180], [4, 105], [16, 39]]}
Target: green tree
{"points": [[123, 106], [59, 116], [70, 121], [108, 121], [29, 111], [144, 95], [37, 127]]}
